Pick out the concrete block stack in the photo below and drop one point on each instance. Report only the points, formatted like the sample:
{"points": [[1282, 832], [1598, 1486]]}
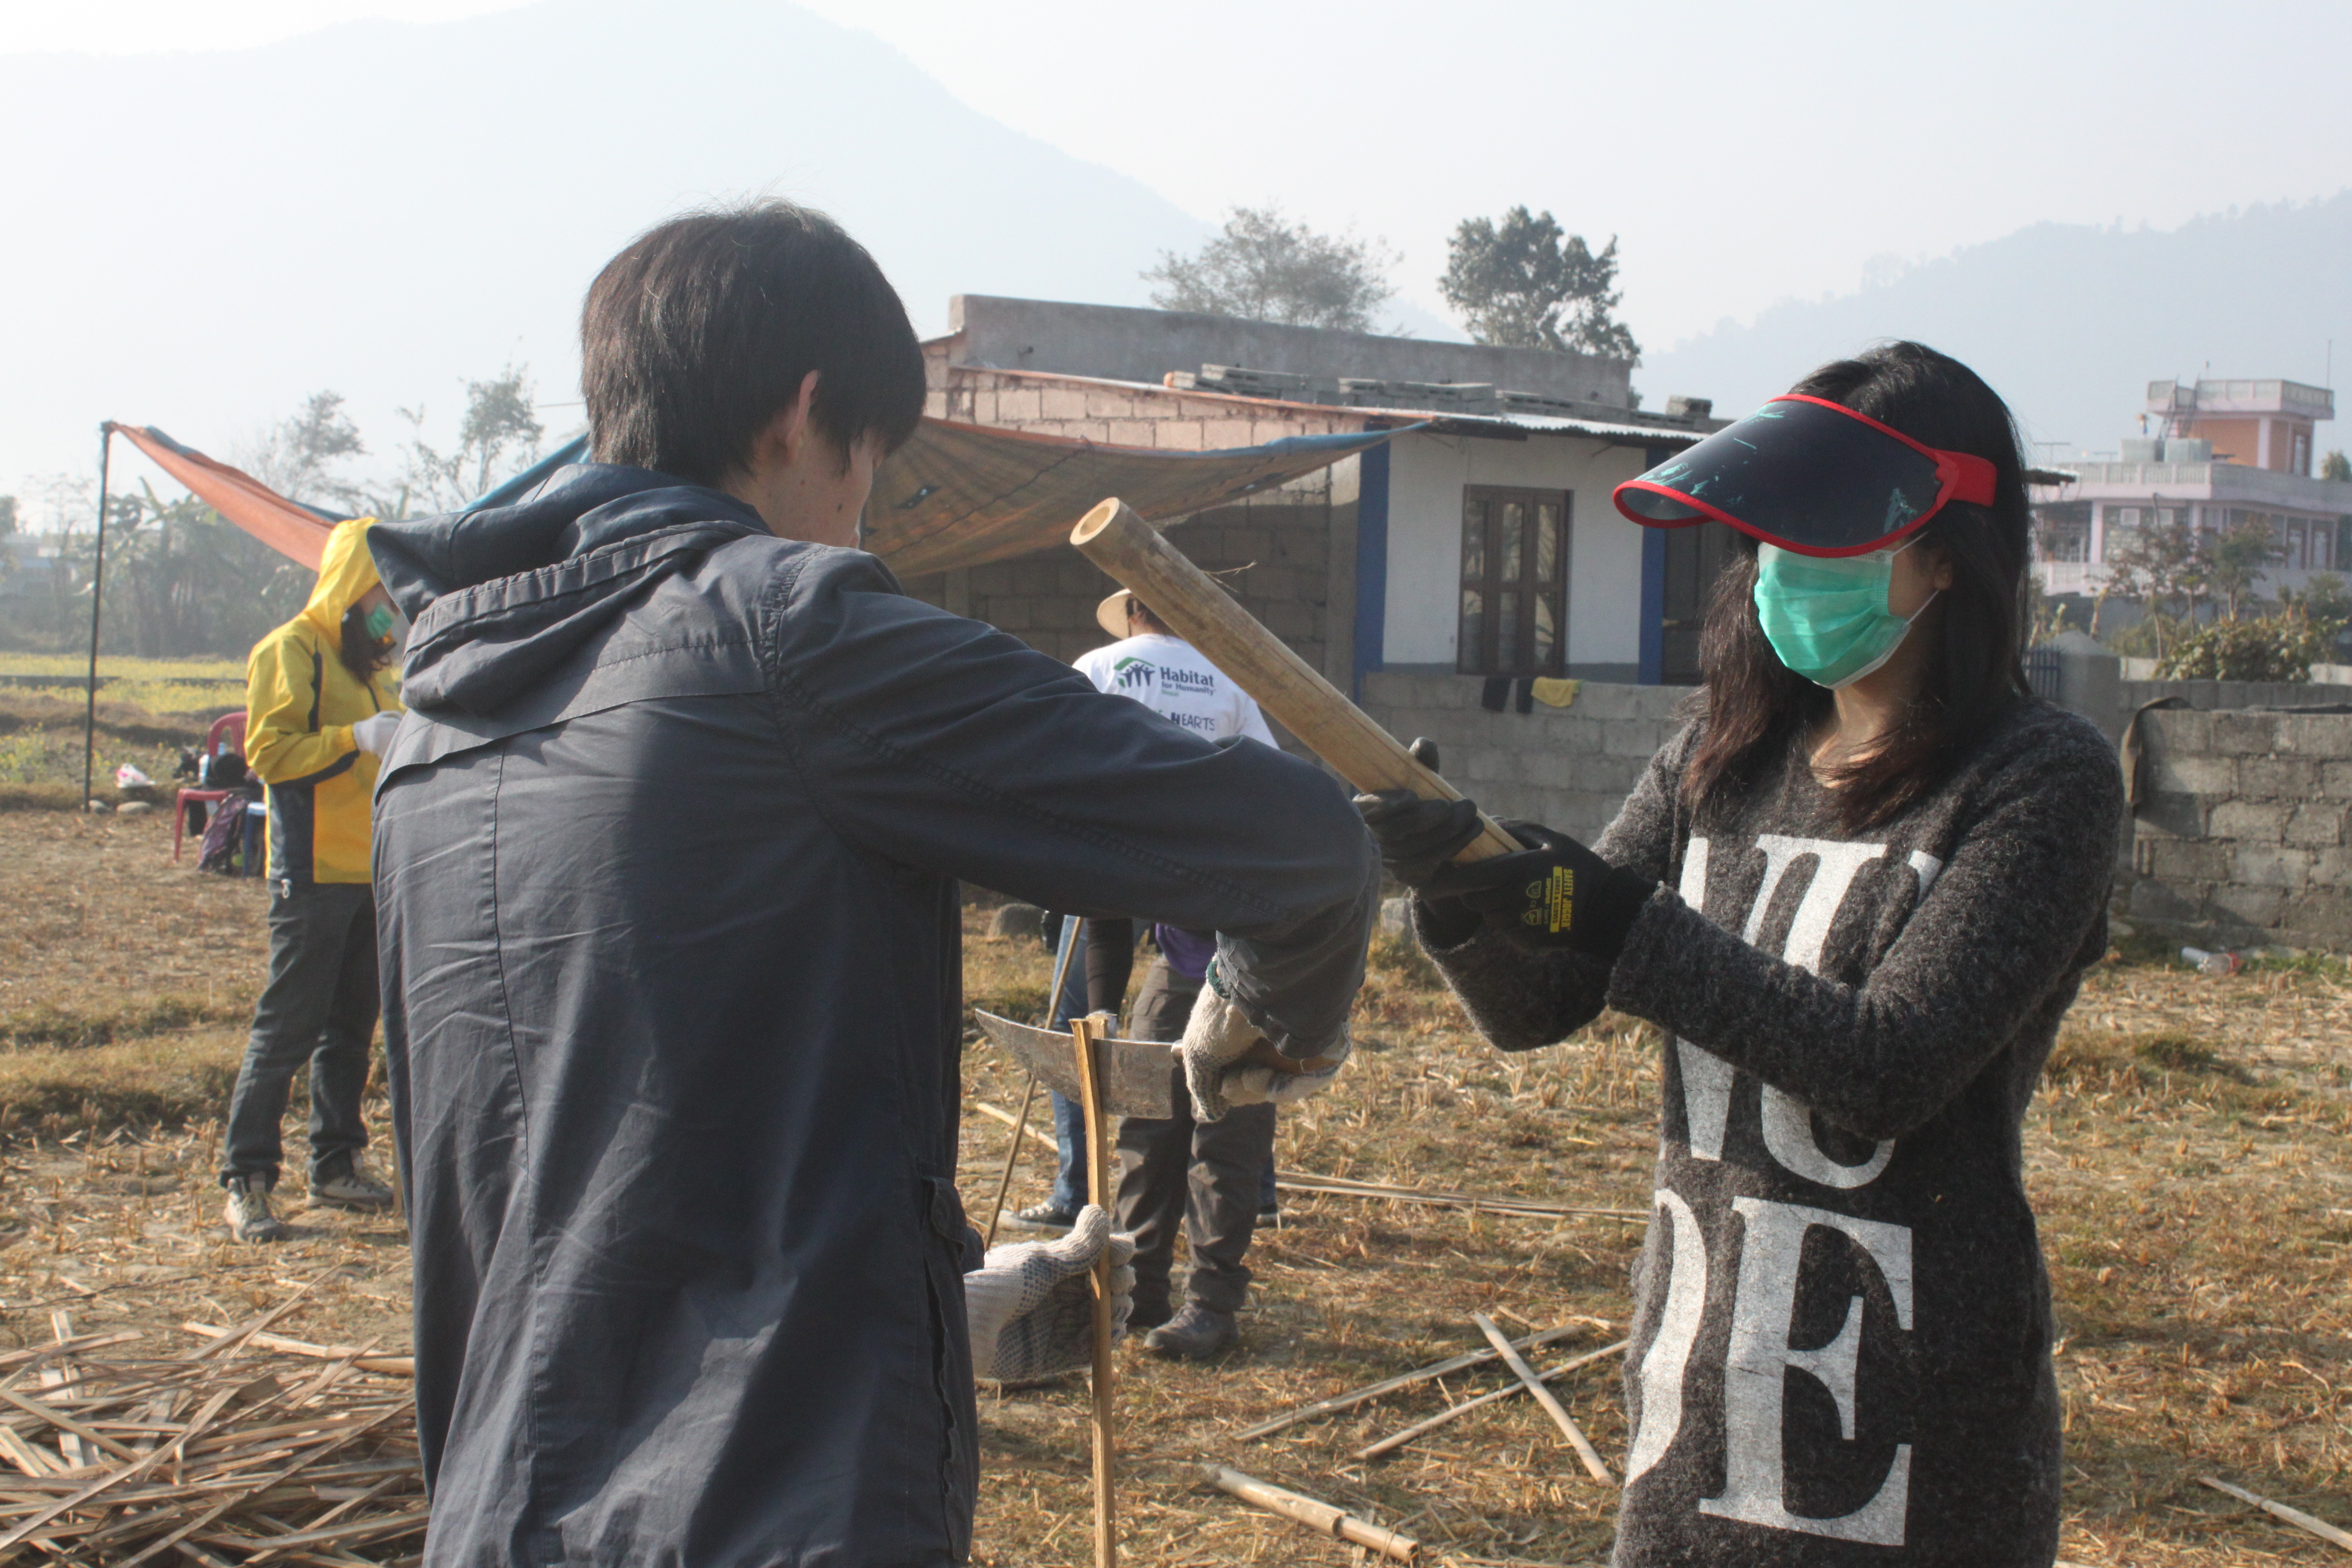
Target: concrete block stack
{"points": [[2244, 837], [1570, 768]]}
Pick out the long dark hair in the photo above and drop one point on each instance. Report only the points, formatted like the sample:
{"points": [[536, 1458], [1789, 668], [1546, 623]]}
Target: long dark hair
{"points": [[1754, 705]]}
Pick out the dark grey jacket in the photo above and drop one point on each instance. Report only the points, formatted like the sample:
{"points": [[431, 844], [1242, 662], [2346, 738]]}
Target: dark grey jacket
{"points": [[1840, 1322], [666, 859]]}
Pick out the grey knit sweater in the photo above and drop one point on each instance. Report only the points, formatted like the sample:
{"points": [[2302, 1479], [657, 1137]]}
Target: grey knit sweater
{"points": [[1841, 1343]]}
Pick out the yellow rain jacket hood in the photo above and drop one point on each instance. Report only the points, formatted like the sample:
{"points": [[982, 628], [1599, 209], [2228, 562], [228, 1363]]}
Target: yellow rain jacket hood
{"points": [[300, 703]]}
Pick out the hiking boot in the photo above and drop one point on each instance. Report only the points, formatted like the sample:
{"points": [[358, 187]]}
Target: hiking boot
{"points": [[247, 1211], [1042, 1217], [1196, 1333], [348, 1185]]}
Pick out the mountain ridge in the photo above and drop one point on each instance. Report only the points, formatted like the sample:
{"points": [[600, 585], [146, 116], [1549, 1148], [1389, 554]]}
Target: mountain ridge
{"points": [[2070, 322]]}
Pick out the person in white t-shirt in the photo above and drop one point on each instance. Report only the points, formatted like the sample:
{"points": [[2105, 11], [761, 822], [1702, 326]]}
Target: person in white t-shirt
{"points": [[1206, 1176], [1168, 674]]}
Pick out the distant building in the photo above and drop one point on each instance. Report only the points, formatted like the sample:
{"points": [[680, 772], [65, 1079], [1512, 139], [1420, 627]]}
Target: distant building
{"points": [[2221, 453], [1480, 542]]}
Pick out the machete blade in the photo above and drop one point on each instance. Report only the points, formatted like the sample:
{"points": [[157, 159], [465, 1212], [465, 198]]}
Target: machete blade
{"points": [[1137, 1076]]}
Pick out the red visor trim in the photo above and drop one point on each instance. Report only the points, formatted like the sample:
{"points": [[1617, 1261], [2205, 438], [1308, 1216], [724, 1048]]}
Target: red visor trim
{"points": [[1959, 476]]}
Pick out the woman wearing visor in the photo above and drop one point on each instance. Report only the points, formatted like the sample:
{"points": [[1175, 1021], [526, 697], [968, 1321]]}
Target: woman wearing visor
{"points": [[1858, 890]]}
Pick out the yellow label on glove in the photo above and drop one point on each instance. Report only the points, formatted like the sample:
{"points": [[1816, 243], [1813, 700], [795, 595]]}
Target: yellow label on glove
{"points": [[1551, 903]]}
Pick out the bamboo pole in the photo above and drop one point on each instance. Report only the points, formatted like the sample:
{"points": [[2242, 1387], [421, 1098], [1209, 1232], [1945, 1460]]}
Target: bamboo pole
{"points": [[1115, 538], [1354, 1397], [1083, 1035], [1315, 1515], [2294, 1516], [97, 593], [1545, 1397], [1396, 1440]]}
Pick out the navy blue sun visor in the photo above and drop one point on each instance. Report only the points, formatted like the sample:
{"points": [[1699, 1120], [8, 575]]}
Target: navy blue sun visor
{"points": [[1810, 476]]}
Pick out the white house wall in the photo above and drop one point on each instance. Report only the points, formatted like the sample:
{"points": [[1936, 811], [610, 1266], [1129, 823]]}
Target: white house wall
{"points": [[1426, 477]]}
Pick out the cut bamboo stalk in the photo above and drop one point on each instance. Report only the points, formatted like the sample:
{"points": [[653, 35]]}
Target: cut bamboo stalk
{"points": [[1337, 1187], [2294, 1516], [65, 1423], [1115, 538], [1545, 1397], [1321, 1517], [1012, 1161], [1396, 1440], [1098, 1193], [1354, 1397], [390, 1365], [1001, 1114]]}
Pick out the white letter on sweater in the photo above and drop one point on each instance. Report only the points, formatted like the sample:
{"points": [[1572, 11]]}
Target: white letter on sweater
{"points": [[1669, 1352], [1756, 1365]]}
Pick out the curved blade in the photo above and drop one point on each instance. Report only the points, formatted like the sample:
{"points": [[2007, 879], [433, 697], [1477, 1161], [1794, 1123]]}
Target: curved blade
{"points": [[1138, 1076]]}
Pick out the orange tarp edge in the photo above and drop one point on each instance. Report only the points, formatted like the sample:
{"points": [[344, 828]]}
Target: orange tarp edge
{"points": [[294, 532]]}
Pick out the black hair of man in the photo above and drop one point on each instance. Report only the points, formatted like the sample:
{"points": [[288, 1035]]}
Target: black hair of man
{"points": [[1140, 620], [694, 337]]}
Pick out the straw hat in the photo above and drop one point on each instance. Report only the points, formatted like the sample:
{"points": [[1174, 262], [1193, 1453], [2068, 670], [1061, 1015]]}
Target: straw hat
{"points": [[1111, 613]]}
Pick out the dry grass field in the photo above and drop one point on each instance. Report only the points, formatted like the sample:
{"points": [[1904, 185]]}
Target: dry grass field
{"points": [[2188, 1154]]}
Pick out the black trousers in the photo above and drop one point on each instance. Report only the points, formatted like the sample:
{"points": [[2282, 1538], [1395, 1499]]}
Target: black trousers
{"points": [[1203, 1176], [319, 1006]]}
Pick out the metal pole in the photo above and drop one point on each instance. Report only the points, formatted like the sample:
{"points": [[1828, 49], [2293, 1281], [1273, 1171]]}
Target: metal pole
{"points": [[97, 586]]}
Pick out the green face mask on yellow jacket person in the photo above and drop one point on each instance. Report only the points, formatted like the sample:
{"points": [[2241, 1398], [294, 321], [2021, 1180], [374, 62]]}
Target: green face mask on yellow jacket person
{"points": [[301, 699]]}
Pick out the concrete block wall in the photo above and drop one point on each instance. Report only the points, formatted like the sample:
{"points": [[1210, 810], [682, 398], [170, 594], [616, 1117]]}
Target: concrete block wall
{"points": [[1570, 768], [1120, 416], [2245, 836]]}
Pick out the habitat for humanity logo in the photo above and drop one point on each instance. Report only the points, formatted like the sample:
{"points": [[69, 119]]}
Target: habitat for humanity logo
{"points": [[1132, 674]]}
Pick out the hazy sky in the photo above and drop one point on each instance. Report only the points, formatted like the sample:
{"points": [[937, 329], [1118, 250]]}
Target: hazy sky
{"points": [[1743, 153]]}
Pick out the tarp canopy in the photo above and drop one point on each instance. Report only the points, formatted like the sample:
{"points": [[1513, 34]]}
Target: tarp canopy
{"points": [[965, 495], [289, 528], [953, 496]]}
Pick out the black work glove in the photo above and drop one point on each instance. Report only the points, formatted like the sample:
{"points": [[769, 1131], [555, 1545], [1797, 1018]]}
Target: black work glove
{"points": [[1555, 893], [1417, 837]]}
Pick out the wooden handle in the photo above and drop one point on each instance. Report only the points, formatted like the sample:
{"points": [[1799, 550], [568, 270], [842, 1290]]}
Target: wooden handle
{"points": [[1085, 1036], [1316, 1516], [1115, 538]]}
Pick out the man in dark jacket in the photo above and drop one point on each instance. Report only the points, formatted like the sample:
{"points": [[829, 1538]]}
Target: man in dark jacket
{"points": [[666, 858]]}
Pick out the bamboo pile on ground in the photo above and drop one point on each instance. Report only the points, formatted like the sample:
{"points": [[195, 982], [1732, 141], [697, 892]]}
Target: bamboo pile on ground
{"points": [[246, 1448]]}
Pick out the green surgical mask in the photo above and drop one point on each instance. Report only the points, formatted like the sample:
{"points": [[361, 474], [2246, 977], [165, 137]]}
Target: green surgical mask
{"points": [[380, 622], [1827, 616]]}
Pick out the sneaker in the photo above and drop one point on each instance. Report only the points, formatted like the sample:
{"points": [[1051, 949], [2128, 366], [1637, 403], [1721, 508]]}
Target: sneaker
{"points": [[1270, 1216], [349, 1186], [248, 1211], [1042, 1217], [1196, 1333]]}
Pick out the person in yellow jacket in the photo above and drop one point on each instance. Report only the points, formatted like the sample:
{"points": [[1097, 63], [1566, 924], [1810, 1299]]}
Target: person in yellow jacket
{"points": [[321, 703]]}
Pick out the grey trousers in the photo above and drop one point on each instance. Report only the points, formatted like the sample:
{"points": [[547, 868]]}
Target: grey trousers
{"points": [[1204, 1175], [319, 1006]]}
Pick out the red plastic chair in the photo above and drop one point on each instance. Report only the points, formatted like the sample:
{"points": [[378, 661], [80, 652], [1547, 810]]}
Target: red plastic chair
{"points": [[227, 734]]}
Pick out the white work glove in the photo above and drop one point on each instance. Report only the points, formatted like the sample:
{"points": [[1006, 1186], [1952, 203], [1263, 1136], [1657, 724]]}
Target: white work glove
{"points": [[1030, 1306], [1250, 1084], [1217, 1037], [373, 733]]}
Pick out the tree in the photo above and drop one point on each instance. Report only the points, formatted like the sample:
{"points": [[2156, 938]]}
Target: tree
{"points": [[2336, 466], [2160, 565], [1525, 283], [2235, 558], [1264, 267], [300, 457], [499, 437]]}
